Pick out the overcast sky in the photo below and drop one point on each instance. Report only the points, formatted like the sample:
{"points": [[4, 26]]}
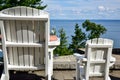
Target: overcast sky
{"points": [[83, 9]]}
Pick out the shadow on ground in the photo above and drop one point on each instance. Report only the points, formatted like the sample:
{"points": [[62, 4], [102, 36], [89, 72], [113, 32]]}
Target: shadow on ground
{"points": [[116, 51], [114, 78], [24, 76], [1, 69]]}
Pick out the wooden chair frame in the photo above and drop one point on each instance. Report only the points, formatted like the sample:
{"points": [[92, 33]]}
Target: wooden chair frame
{"points": [[96, 61], [25, 40]]}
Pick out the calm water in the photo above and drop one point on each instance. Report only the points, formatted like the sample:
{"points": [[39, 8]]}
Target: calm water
{"points": [[113, 28]]}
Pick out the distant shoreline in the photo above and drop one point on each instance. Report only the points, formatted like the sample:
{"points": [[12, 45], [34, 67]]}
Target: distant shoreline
{"points": [[86, 19]]}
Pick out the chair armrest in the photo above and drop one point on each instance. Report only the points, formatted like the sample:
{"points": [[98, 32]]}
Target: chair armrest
{"points": [[78, 56], [112, 61], [84, 60]]}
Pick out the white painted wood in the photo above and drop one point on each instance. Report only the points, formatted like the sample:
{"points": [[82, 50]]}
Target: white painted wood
{"points": [[23, 11], [17, 11], [37, 58], [36, 27], [42, 55], [29, 11], [26, 68], [12, 44], [26, 56], [46, 51], [99, 45], [15, 56], [26, 38], [24, 32], [31, 56], [7, 30], [13, 30], [51, 49], [107, 63], [42, 30], [97, 59], [87, 65], [19, 31], [9, 17], [96, 69], [42, 38], [11, 12], [3, 76], [97, 74], [10, 52], [77, 70], [30, 31], [21, 56], [35, 12], [5, 56]]}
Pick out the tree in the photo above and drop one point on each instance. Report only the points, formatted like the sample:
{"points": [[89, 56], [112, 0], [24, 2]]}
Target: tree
{"points": [[78, 40], [29, 3], [62, 49], [95, 30]]}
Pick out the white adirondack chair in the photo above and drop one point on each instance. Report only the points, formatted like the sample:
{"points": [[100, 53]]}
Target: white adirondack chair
{"points": [[96, 61], [25, 40]]}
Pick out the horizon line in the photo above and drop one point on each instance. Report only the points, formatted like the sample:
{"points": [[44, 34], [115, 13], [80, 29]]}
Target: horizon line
{"points": [[84, 19]]}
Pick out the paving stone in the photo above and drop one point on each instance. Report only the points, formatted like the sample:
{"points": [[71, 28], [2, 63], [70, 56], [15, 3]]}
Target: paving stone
{"points": [[69, 62]]}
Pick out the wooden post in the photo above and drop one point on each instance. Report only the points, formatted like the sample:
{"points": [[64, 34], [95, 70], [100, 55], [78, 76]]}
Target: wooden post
{"points": [[4, 51]]}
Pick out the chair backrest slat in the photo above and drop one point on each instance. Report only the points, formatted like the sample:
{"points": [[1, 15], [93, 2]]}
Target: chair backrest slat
{"points": [[31, 56], [21, 56], [37, 59], [10, 56], [7, 30], [23, 11], [15, 56], [19, 31], [24, 31]]}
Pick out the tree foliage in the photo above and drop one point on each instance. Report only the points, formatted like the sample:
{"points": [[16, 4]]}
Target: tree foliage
{"points": [[29, 3], [92, 30], [78, 40], [95, 30], [62, 49]]}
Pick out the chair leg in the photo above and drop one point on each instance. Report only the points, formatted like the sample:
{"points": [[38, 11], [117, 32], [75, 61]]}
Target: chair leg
{"points": [[109, 78], [48, 77], [77, 70], [4, 76]]}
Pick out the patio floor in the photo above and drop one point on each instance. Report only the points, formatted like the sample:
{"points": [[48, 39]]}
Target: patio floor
{"points": [[58, 75], [64, 69]]}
